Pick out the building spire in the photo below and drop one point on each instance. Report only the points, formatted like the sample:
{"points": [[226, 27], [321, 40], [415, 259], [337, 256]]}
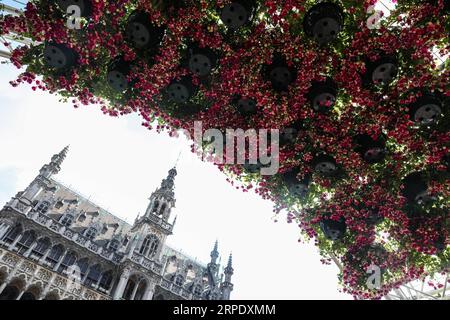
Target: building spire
{"points": [[229, 267], [215, 252], [55, 164]]}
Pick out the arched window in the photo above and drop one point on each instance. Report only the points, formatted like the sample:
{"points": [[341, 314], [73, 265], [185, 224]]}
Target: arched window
{"points": [[163, 208], [26, 241], [43, 207], [41, 247], [179, 280], [114, 245], [12, 234], [155, 206], [68, 261], [67, 220], [106, 281], [81, 217], [91, 233], [149, 246], [55, 254], [93, 276]]}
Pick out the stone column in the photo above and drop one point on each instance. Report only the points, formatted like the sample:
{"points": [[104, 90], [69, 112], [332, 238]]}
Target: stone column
{"points": [[28, 252], [149, 291], [61, 260], [118, 293], [3, 286], [20, 294], [14, 243], [133, 295], [3, 230], [45, 255]]}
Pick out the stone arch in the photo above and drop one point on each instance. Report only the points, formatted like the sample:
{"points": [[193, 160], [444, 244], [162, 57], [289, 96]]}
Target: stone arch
{"points": [[13, 289], [32, 292], [53, 295], [142, 288]]}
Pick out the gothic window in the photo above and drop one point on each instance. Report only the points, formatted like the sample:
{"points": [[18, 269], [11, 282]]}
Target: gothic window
{"points": [[104, 229], [198, 290], [12, 234], [106, 281], [41, 247], [43, 207], [69, 260], [93, 275], [149, 246], [179, 280], [59, 204], [55, 254], [67, 220], [155, 206], [163, 208], [91, 233], [26, 241], [125, 241], [114, 245]]}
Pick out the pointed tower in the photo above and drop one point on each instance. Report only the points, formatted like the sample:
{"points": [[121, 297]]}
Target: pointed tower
{"points": [[42, 181], [150, 231], [227, 285], [213, 267]]}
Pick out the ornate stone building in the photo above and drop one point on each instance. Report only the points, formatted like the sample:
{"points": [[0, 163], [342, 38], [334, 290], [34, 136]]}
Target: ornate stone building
{"points": [[56, 244]]}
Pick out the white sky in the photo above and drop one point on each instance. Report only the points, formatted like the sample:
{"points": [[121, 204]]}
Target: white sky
{"points": [[119, 163]]}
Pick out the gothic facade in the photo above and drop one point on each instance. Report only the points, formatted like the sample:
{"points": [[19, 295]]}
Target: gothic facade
{"points": [[56, 244]]}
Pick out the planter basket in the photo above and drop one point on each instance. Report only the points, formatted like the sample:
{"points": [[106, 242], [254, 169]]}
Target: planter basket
{"points": [[180, 91], [118, 71], [415, 188], [141, 33], [238, 13], [296, 187], [381, 71], [323, 22], [84, 5], [59, 56], [289, 134], [333, 230], [325, 165], [279, 74], [371, 151], [322, 95], [246, 107], [201, 61], [426, 110]]}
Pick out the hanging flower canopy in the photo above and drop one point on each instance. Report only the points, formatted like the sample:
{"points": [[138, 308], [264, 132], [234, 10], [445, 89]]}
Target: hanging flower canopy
{"points": [[361, 100]]}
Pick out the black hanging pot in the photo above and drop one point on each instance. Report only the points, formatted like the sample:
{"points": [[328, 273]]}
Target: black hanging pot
{"points": [[323, 22], [84, 5], [289, 134], [322, 95], [426, 110], [59, 56], [296, 187], [201, 61], [279, 74], [332, 229], [237, 13], [245, 106], [180, 91], [372, 151], [117, 74], [381, 71], [325, 165], [416, 188], [141, 33]]}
